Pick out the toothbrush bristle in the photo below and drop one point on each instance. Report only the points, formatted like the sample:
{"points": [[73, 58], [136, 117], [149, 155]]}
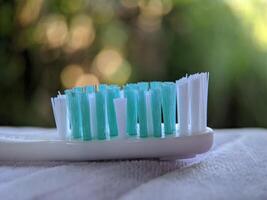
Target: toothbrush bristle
{"points": [[136, 110]]}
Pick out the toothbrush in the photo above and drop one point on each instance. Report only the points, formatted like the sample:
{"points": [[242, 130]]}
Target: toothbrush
{"points": [[136, 121]]}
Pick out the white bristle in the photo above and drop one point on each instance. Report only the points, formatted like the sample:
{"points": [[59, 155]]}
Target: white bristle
{"points": [[202, 102], [54, 110], [206, 97], [60, 113], [195, 96], [120, 105], [122, 93], [64, 120], [183, 106]]}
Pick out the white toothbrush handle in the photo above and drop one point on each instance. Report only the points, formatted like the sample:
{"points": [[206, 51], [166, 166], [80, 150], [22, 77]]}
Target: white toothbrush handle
{"points": [[24, 149]]}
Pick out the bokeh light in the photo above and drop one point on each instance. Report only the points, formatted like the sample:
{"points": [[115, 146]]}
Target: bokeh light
{"points": [[151, 14], [254, 17], [56, 30], [112, 66], [82, 33], [29, 11], [108, 61], [122, 75], [87, 79], [70, 75]]}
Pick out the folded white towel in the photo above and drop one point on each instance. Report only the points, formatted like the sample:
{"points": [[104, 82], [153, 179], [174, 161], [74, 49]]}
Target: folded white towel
{"points": [[236, 168]]}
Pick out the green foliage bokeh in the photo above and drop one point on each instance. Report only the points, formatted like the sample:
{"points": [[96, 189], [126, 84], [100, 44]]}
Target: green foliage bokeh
{"points": [[192, 36]]}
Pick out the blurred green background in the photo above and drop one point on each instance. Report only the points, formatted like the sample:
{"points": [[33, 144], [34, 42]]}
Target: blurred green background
{"points": [[46, 46]]}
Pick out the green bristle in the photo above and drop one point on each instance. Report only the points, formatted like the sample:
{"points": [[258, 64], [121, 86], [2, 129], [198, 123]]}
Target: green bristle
{"points": [[142, 113], [113, 86], [156, 111], [89, 89], [85, 114], [131, 86], [155, 84], [77, 89], [168, 90], [74, 113], [100, 115], [102, 87], [131, 95], [143, 85], [112, 93]]}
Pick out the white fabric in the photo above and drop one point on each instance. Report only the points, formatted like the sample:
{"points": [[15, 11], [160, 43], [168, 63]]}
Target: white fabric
{"points": [[236, 168]]}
